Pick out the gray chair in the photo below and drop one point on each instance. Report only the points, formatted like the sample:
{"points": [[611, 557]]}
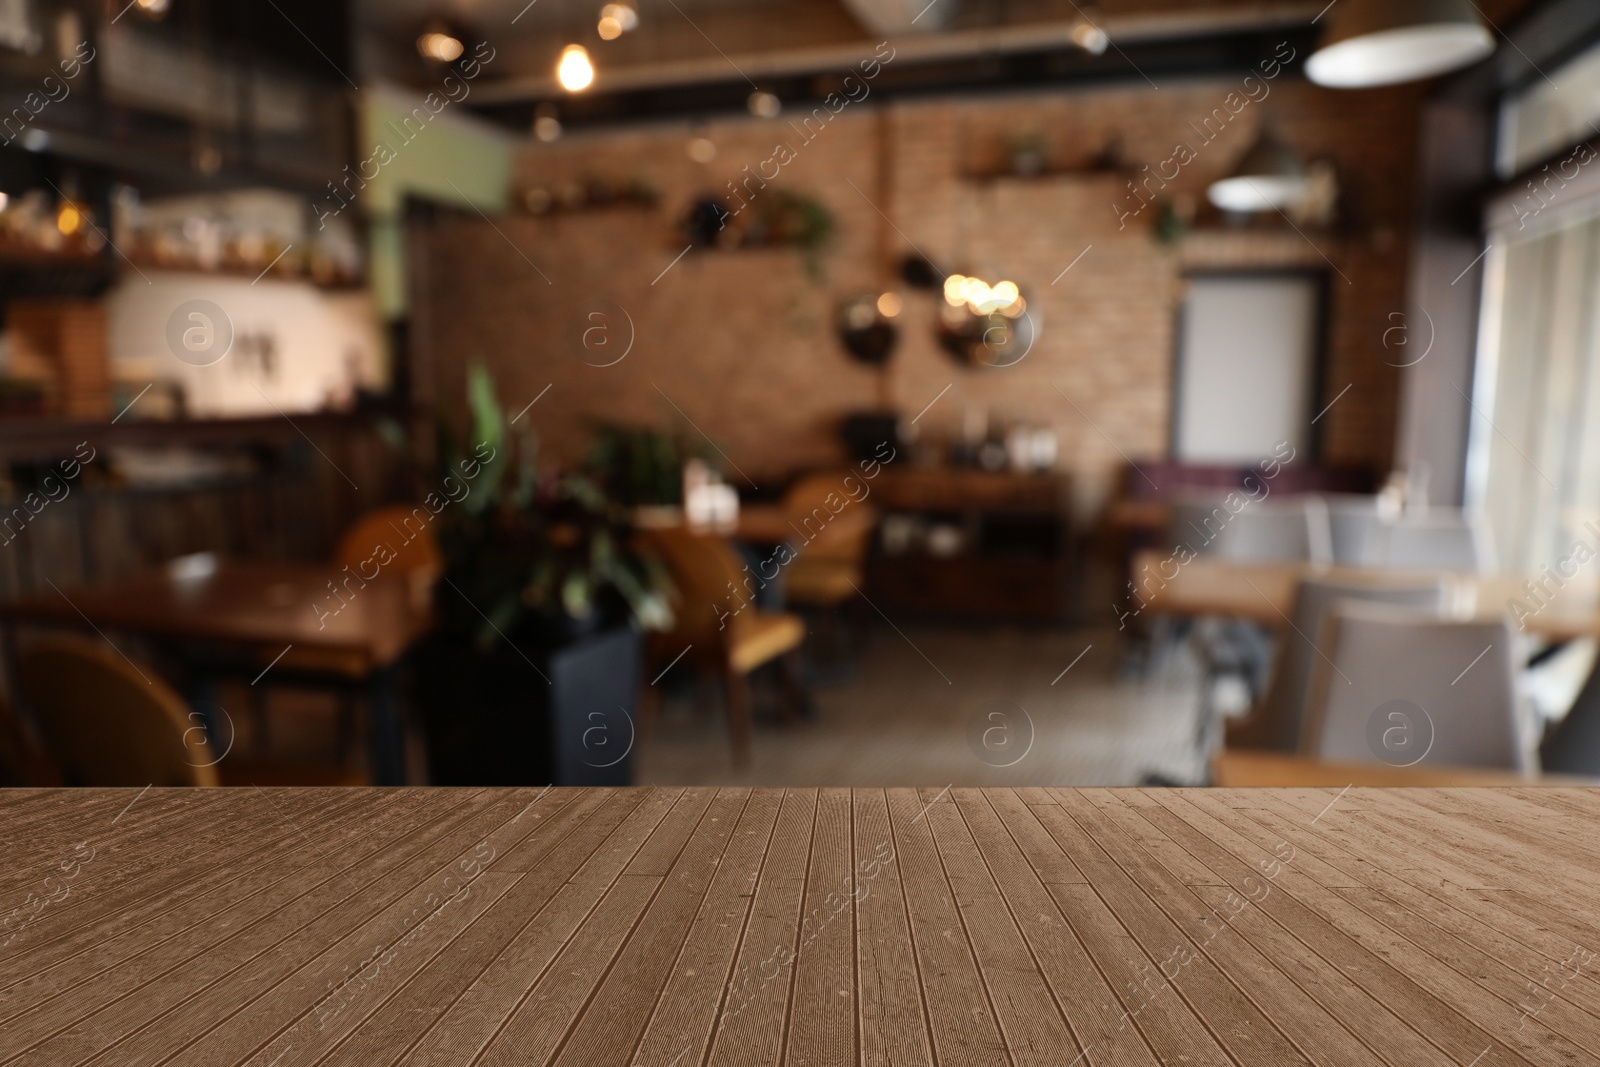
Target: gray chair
{"points": [[1276, 721], [1353, 525], [1434, 540], [1572, 746], [1198, 519], [1267, 530], [1404, 687], [1270, 531]]}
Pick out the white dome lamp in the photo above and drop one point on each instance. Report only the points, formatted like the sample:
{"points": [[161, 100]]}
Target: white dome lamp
{"points": [[1269, 177], [1383, 42]]}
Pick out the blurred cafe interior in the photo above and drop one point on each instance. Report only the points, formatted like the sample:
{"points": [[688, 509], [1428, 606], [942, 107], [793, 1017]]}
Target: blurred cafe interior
{"points": [[799, 392]]}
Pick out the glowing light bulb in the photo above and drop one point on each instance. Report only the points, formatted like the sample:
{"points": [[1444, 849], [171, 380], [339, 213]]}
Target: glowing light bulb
{"points": [[609, 28], [624, 15], [764, 105], [955, 290], [439, 46], [574, 71], [889, 305]]}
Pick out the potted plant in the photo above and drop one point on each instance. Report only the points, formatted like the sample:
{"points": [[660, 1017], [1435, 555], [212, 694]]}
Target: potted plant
{"points": [[532, 674]]}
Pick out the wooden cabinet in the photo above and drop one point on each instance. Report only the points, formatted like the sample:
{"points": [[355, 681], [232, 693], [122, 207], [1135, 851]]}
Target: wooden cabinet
{"points": [[972, 544]]}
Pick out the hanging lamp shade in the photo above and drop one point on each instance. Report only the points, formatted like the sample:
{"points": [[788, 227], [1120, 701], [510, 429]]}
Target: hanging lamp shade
{"points": [[1383, 42], [1270, 176]]}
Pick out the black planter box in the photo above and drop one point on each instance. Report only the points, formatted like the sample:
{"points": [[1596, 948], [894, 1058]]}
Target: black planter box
{"points": [[527, 716]]}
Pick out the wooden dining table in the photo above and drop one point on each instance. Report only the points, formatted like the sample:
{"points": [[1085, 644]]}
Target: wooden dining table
{"points": [[1264, 592], [742, 927], [208, 611]]}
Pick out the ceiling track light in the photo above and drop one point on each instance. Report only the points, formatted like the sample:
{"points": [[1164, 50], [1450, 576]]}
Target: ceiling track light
{"points": [[1369, 43]]}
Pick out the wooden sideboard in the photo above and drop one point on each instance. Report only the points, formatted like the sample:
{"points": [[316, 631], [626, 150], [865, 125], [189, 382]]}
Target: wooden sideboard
{"points": [[1015, 544]]}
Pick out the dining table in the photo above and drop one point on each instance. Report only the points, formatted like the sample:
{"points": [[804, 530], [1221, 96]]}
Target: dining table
{"points": [[751, 926], [1264, 592], [310, 622]]}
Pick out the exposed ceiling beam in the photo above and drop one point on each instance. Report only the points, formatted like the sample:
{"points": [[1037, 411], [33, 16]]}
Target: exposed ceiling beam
{"points": [[960, 44]]}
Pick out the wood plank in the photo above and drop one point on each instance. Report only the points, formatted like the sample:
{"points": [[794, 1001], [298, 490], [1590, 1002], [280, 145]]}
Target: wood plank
{"points": [[261, 956], [609, 1029], [1446, 1008], [569, 834], [539, 1026], [400, 935], [103, 971], [1429, 889], [1242, 1027], [522, 970], [1081, 992], [1208, 920], [104, 906], [1031, 1021], [751, 1020], [686, 1012], [892, 1016], [1150, 1012], [959, 1013], [822, 1019]]}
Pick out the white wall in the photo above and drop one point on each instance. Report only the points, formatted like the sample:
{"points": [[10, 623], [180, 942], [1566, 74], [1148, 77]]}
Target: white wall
{"points": [[323, 341]]}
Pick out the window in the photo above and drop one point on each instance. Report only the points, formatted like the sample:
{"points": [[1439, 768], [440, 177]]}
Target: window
{"points": [[1547, 116], [1534, 460]]}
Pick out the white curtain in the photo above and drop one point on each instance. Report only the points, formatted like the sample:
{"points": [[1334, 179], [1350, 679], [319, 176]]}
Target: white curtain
{"points": [[1535, 462]]}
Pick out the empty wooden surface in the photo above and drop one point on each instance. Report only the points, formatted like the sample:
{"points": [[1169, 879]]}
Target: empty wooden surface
{"points": [[264, 604], [1264, 592], [1388, 928]]}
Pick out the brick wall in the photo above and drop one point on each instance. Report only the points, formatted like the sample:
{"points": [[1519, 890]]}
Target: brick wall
{"points": [[68, 337], [741, 342]]}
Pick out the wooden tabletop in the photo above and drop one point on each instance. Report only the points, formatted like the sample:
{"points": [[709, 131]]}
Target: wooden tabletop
{"points": [[1252, 769], [259, 603], [1386, 928], [1264, 592]]}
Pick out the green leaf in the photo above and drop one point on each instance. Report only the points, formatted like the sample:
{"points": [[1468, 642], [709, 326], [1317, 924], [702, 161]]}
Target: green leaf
{"points": [[488, 434]]}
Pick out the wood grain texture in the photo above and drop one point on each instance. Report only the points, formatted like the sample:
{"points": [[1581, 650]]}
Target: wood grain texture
{"points": [[670, 927]]}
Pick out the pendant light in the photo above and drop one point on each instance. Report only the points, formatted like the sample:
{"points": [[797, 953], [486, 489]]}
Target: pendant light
{"points": [[1383, 42], [1269, 177]]}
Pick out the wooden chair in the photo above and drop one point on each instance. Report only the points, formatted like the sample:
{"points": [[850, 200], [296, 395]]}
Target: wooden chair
{"points": [[831, 543], [109, 722], [405, 531], [720, 626], [106, 723], [22, 764]]}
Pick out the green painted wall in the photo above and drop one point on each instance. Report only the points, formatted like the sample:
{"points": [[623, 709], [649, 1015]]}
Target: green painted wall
{"points": [[448, 156]]}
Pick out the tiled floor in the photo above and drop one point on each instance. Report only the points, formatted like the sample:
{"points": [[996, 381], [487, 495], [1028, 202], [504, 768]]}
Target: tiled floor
{"points": [[913, 707], [949, 705]]}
